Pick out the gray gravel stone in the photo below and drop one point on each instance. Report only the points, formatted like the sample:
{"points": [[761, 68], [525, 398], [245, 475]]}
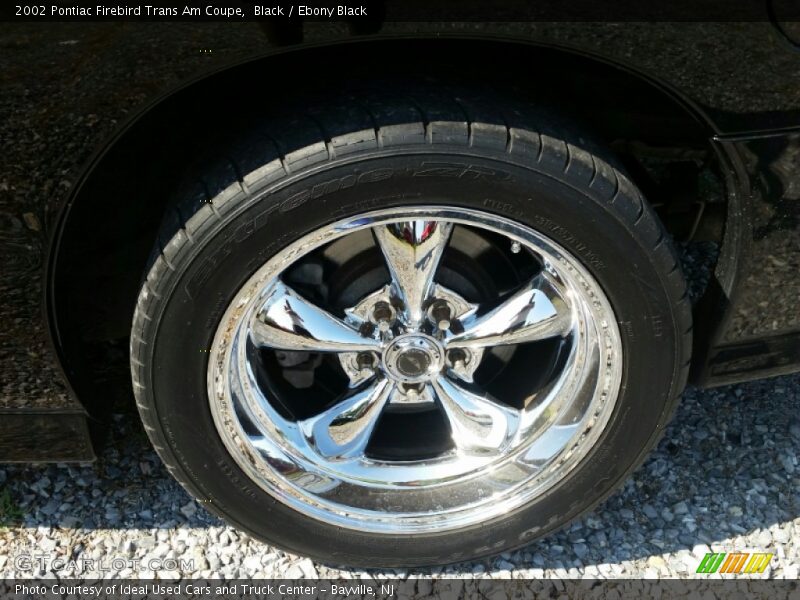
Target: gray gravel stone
{"points": [[700, 491], [580, 550]]}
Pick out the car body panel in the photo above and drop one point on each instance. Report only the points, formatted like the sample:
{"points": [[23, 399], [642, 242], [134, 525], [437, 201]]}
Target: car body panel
{"points": [[69, 90]]}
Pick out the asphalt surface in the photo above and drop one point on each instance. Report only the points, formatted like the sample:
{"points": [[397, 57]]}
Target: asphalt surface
{"points": [[724, 478]]}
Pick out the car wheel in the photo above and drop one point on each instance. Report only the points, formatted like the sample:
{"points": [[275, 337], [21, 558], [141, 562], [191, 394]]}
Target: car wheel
{"points": [[408, 329]]}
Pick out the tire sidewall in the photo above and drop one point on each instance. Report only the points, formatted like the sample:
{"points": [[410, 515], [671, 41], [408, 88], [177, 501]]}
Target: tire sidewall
{"points": [[226, 253]]}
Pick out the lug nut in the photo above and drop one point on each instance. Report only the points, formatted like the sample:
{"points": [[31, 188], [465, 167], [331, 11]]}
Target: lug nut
{"points": [[366, 362], [383, 315], [382, 311], [412, 390], [515, 247], [440, 313], [457, 357]]}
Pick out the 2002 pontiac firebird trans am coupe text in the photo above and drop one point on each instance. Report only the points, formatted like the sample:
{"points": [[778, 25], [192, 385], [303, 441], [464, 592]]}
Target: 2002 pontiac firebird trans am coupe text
{"points": [[393, 294]]}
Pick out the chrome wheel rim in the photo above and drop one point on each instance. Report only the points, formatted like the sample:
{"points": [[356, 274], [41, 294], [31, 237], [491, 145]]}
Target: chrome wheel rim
{"points": [[414, 346]]}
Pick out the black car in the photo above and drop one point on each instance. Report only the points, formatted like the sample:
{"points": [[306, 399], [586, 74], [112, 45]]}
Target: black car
{"points": [[392, 293]]}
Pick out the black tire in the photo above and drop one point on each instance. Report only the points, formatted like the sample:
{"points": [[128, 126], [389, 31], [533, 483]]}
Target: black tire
{"points": [[268, 189]]}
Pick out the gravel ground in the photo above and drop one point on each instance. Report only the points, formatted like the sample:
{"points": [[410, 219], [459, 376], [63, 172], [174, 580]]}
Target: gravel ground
{"points": [[724, 478]]}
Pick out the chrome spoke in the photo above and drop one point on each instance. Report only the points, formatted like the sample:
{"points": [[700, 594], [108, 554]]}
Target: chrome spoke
{"points": [[479, 425], [412, 250], [287, 321], [344, 430], [536, 312]]}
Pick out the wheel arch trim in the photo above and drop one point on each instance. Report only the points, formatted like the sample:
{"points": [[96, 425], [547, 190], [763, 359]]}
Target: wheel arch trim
{"points": [[310, 51]]}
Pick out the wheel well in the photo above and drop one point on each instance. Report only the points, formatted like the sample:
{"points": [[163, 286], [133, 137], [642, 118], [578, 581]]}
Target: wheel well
{"points": [[107, 231]]}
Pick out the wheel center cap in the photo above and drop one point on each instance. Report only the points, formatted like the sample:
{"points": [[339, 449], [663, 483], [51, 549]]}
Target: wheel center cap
{"points": [[413, 363], [413, 358]]}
